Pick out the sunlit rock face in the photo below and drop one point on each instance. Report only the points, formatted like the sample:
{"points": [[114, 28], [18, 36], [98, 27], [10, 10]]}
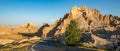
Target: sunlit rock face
{"points": [[99, 29], [88, 19], [26, 28]]}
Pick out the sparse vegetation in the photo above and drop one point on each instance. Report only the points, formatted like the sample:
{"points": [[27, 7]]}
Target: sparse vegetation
{"points": [[19, 47], [73, 33]]}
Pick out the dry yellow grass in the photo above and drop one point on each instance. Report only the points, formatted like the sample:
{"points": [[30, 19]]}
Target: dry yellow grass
{"points": [[22, 46], [13, 37]]}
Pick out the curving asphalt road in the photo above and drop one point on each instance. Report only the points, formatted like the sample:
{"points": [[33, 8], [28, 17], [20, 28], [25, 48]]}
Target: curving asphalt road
{"points": [[45, 45], [48, 45]]}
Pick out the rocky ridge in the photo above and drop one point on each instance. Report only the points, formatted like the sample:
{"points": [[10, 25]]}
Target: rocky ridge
{"points": [[17, 36], [25, 28], [97, 27], [88, 20]]}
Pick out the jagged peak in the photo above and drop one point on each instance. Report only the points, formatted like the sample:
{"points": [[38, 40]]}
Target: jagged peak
{"points": [[75, 12], [83, 8], [74, 9], [29, 24], [94, 10], [45, 24]]}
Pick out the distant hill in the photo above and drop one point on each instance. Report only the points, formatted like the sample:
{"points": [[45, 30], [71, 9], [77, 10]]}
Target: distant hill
{"points": [[25, 28]]}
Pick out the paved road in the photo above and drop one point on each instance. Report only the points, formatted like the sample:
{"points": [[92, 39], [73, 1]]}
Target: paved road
{"points": [[48, 45]]}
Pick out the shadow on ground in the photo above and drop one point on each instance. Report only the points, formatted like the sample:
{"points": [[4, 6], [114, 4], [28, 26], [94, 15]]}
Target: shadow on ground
{"points": [[27, 34]]}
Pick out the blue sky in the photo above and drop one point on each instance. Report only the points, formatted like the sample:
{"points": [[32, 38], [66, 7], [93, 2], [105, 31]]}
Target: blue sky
{"points": [[17, 12]]}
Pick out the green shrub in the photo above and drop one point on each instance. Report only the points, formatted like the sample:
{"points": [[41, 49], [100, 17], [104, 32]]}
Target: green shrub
{"points": [[73, 33]]}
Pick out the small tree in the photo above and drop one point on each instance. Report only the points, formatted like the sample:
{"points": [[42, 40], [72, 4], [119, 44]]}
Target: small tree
{"points": [[73, 33]]}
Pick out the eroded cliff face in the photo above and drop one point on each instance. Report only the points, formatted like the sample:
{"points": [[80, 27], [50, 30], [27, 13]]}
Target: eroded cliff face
{"points": [[88, 20]]}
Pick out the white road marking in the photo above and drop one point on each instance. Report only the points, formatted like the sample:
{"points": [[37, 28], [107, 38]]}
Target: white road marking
{"points": [[33, 46]]}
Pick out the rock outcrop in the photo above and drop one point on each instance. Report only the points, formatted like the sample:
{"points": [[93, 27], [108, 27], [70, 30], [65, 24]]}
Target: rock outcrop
{"points": [[88, 20], [102, 43], [25, 28], [104, 27]]}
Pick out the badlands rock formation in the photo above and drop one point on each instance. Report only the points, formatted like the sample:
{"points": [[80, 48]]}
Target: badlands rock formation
{"points": [[88, 20], [13, 35], [104, 27], [25, 28]]}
